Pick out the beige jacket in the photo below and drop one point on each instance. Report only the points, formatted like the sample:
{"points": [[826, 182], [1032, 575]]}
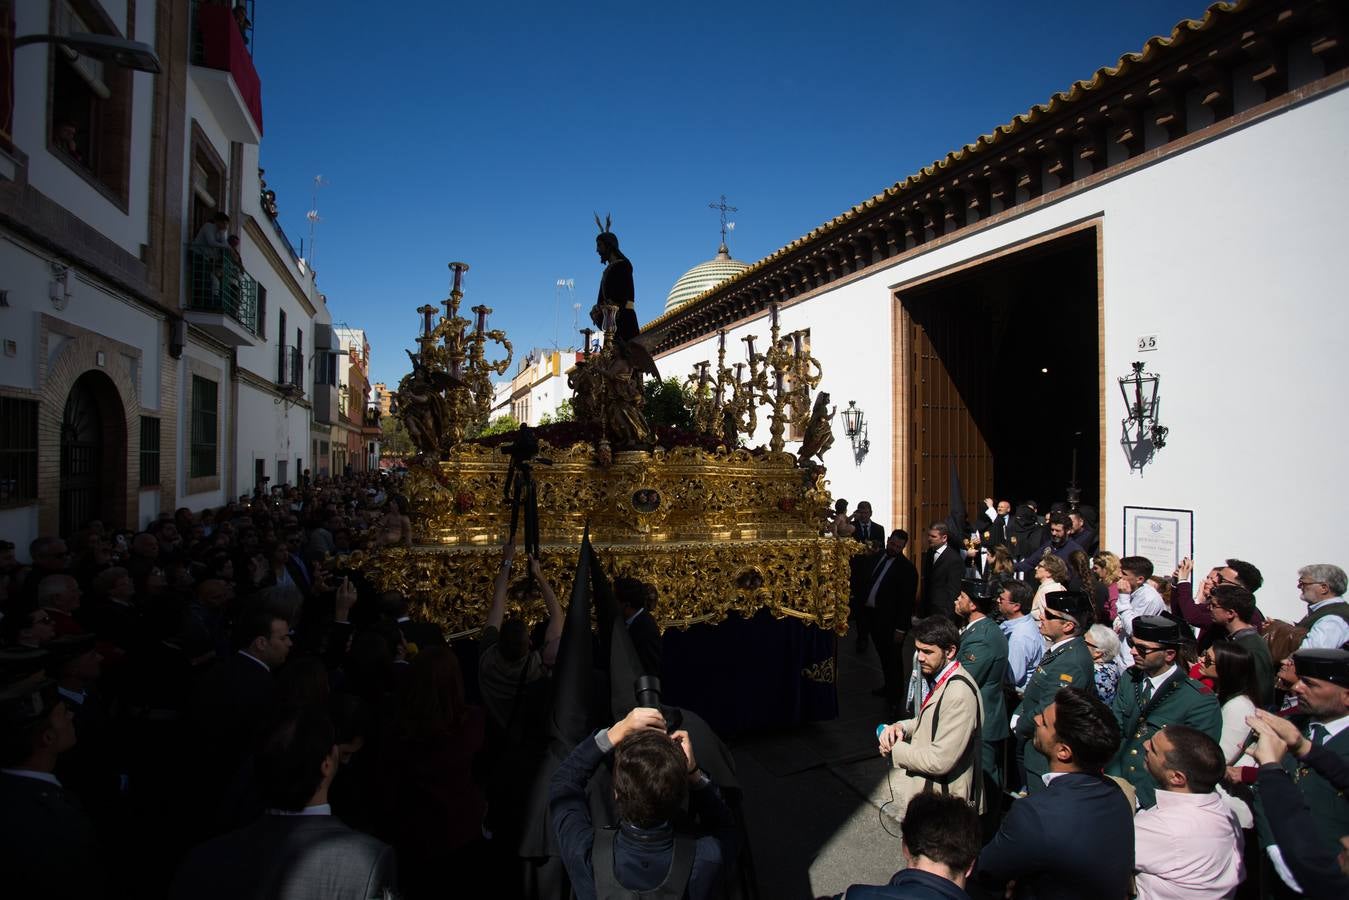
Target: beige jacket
{"points": [[942, 761]]}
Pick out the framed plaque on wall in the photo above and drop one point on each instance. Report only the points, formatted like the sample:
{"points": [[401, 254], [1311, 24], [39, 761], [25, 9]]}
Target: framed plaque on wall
{"points": [[1165, 536]]}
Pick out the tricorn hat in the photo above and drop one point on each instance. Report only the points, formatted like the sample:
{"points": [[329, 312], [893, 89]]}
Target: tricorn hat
{"points": [[1159, 630], [1073, 604], [1324, 664]]}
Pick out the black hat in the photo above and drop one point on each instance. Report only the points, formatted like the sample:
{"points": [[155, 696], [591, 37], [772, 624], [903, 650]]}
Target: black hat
{"points": [[1073, 604], [979, 590], [63, 649], [20, 663], [1159, 630], [27, 702], [1325, 665]]}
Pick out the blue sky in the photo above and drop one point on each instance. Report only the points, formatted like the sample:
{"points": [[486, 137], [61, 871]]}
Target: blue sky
{"points": [[451, 131]]}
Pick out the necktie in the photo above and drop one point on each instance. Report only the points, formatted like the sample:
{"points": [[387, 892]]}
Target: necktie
{"points": [[1147, 690], [1319, 733]]}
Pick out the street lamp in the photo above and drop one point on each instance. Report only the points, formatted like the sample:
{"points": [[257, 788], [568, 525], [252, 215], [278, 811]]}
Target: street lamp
{"points": [[1143, 434], [855, 427], [134, 55]]}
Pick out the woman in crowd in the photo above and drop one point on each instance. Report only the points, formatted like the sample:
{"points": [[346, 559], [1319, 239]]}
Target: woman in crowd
{"points": [[1052, 573], [1107, 571], [1232, 669], [1001, 563], [1104, 646]]}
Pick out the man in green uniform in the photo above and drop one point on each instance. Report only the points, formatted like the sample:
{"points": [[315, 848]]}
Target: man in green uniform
{"points": [[1157, 692], [1323, 696], [983, 656], [1067, 663]]}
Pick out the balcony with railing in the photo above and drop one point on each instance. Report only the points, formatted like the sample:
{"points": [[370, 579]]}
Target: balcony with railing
{"points": [[222, 298], [223, 68], [290, 369]]}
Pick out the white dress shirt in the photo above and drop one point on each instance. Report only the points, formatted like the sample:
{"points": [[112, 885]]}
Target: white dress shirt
{"points": [[1187, 847], [1143, 602]]}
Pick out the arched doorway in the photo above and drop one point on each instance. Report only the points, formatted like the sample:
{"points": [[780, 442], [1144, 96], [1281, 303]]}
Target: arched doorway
{"points": [[93, 454]]}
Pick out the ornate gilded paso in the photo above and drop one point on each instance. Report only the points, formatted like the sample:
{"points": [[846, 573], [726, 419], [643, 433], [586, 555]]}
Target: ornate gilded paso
{"points": [[714, 533]]}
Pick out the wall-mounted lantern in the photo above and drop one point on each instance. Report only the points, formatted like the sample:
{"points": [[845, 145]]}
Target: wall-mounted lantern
{"points": [[1143, 435], [855, 427]]}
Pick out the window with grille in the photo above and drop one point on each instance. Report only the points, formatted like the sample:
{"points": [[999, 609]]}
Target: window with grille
{"points": [[18, 450], [202, 451], [149, 451]]}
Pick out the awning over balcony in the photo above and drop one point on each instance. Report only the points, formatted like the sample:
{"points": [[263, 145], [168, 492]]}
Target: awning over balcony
{"points": [[224, 50]]}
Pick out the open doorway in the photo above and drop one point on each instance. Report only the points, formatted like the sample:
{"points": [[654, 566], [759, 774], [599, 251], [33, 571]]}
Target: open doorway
{"points": [[999, 371]]}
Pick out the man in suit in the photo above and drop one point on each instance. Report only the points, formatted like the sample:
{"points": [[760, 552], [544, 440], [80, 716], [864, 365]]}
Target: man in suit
{"points": [[983, 654], [415, 631], [634, 602], [296, 850], [234, 701], [999, 528], [1046, 841], [47, 845], [886, 610], [872, 534], [1067, 663], [1156, 693], [939, 749], [943, 570], [940, 842]]}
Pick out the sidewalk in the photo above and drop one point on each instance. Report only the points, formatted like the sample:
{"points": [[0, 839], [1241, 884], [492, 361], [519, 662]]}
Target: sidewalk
{"points": [[813, 794]]}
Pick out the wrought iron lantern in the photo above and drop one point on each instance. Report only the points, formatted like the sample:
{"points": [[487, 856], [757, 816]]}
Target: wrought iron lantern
{"points": [[1143, 434], [855, 427]]}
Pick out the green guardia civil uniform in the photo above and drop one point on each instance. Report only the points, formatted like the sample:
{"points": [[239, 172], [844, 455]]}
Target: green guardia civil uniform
{"points": [[983, 655], [1180, 700], [1068, 665], [1329, 807]]}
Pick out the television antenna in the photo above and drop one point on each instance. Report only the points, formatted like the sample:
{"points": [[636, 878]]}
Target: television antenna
{"points": [[313, 215], [567, 286]]}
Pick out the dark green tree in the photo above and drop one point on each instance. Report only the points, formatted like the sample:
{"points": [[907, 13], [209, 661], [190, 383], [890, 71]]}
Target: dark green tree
{"points": [[668, 403]]}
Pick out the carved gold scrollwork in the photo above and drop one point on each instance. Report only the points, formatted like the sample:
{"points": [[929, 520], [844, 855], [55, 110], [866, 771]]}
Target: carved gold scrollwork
{"points": [[823, 671]]}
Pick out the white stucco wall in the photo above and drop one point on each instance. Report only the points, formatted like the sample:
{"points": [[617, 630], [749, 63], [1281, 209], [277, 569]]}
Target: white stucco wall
{"points": [[1232, 253], [52, 176]]}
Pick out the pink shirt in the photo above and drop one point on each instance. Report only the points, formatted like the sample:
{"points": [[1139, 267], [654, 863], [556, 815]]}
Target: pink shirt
{"points": [[1187, 847]]}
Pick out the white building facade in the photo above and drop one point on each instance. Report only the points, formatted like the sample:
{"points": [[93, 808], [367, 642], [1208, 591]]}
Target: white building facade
{"points": [[1198, 232], [142, 369]]}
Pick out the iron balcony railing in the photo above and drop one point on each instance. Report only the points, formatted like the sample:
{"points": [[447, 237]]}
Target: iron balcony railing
{"points": [[290, 367], [218, 284]]}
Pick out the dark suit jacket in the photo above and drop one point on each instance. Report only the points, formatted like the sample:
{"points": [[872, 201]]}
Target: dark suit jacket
{"points": [[941, 582], [1052, 843], [287, 858], [46, 842], [908, 884], [877, 535], [998, 533], [896, 594], [646, 640], [423, 634], [228, 713]]}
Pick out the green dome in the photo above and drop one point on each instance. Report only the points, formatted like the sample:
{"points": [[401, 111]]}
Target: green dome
{"points": [[703, 277]]}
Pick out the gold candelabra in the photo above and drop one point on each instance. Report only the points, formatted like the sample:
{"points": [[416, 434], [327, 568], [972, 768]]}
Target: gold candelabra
{"points": [[452, 359], [781, 379]]}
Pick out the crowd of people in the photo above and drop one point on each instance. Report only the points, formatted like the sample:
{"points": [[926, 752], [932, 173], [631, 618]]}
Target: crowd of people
{"points": [[220, 706], [1076, 700]]}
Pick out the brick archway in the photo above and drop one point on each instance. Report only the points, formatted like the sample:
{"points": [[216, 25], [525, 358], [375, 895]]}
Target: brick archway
{"points": [[120, 403]]}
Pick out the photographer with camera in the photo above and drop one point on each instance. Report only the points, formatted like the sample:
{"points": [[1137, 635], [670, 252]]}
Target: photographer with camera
{"points": [[654, 774]]}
